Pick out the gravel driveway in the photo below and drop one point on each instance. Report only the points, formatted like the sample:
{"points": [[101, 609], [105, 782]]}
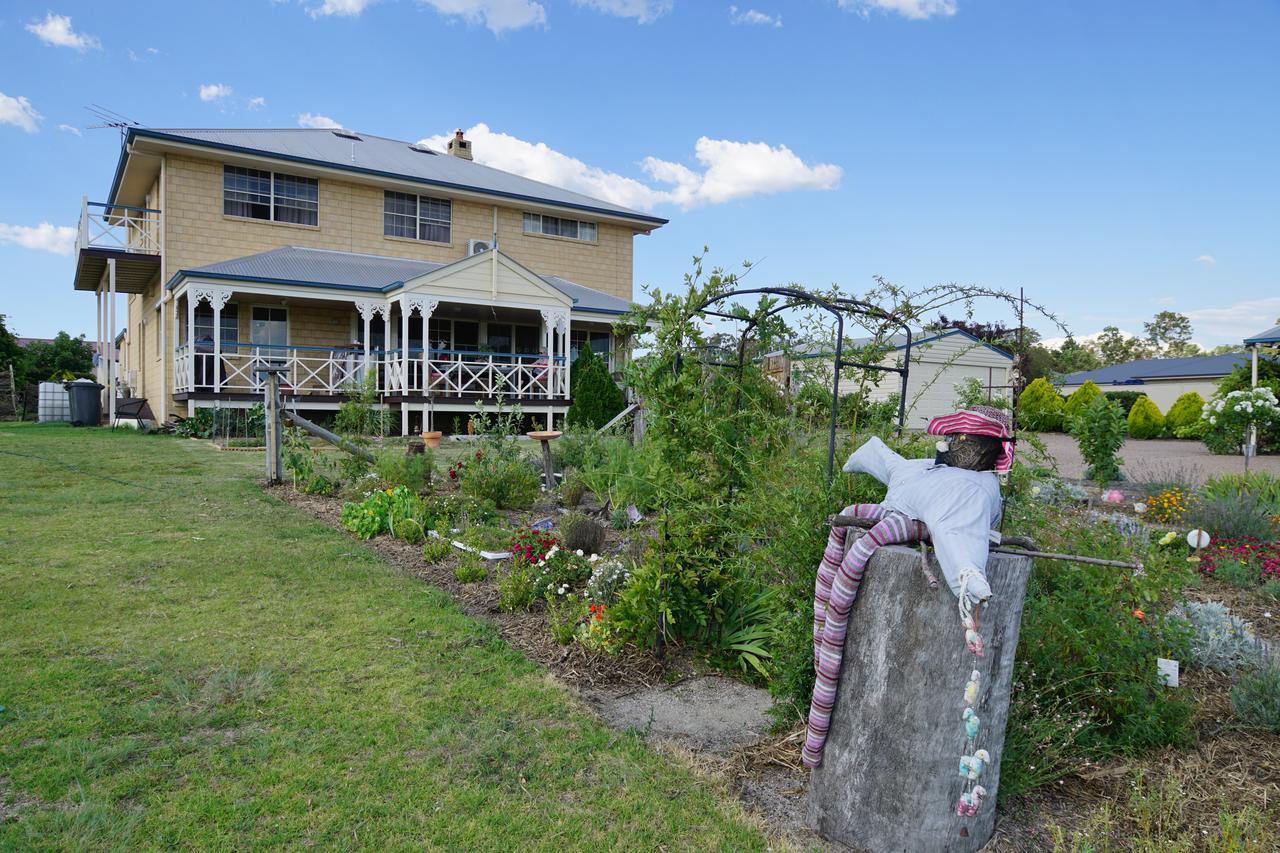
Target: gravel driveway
{"points": [[1145, 460]]}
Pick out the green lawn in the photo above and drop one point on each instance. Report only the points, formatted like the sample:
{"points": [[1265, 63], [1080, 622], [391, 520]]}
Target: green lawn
{"points": [[185, 661]]}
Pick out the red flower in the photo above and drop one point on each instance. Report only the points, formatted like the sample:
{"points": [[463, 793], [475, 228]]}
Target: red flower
{"points": [[453, 475], [479, 455]]}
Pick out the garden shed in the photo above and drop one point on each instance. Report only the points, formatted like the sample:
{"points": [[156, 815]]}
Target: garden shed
{"points": [[938, 363]]}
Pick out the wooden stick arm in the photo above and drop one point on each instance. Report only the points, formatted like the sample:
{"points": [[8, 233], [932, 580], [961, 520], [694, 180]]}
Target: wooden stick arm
{"points": [[1018, 545]]}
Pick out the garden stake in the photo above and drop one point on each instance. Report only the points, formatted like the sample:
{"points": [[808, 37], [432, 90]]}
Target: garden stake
{"points": [[924, 565]]}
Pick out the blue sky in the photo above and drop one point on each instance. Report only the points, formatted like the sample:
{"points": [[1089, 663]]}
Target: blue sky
{"points": [[1114, 159]]}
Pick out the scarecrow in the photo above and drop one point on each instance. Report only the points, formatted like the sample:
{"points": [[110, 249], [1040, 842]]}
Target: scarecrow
{"points": [[953, 500]]}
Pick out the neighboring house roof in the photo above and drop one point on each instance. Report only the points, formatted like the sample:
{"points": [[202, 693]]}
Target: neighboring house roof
{"points": [[899, 342], [26, 342], [377, 155], [1270, 336], [1137, 372], [327, 268]]}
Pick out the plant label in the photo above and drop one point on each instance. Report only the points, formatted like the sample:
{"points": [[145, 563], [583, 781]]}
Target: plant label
{"points": [[633, 514], [542, 524], [1168, 671]]}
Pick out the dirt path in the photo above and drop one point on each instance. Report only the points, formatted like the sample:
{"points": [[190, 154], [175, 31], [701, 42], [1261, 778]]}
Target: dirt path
{"points": [[1146, 460]]}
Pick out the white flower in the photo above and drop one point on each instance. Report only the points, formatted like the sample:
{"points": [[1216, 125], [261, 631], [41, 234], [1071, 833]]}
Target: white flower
{"points": [[1212, 419], [593, 558], [578, 552]]}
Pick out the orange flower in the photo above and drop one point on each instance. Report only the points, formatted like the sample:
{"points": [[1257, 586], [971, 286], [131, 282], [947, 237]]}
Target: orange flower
{"points": [[1139, 615]]}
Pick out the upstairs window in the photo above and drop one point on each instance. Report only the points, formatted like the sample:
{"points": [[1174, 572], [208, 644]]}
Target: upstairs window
{"points": [[555, 226], [229, 321], [417, 217], [257, 194]]}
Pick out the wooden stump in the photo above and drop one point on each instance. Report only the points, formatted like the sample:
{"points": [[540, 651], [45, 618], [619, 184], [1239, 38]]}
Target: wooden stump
{"points": [[889, 778]]}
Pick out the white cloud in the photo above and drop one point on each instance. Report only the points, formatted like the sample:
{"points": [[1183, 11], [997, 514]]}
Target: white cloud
{"points": [[214, 91], [59, 239], [1238, 321], [341, 8], [497, 15], [1054, 343], [729, 170], [18, 111], [753, 17], [55, 31], [257, 103], [70, 128], [1207, 260], [644, 11], [316, 120], [134, 56], [916, 10], [737, 170]]}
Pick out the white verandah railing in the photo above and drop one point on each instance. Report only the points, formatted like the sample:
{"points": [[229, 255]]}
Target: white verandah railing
{"points": [[118, 227], [334, 370]]}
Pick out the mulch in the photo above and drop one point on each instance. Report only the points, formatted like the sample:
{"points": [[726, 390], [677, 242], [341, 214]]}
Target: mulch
{"points": [[1227, 768]]}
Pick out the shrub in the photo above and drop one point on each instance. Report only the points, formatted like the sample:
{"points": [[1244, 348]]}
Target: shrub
{"points": [[1271, 589], [1170, 505], [358, 416], [583, 534], [436, 549], [471, 569], [1124, 399], [597, 399], [1081, 397], [619, 519], [1256, 697], [1145, 420], [1100, 432], [1196, 430], [1260, 485], [398, 469], [1238, 573], [369, 517], [501, 474], [1233, 518], [1231, 414], [1040, 407], [1184, 412], [564, 612], [517, 588], [1085, 676], [622, 474], [576, 447], [608, 577], [531, 545], [572, 490], [1219, 640]]}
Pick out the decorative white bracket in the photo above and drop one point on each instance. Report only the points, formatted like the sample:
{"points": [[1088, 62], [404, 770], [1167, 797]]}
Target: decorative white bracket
{"points": [[216, 296], [368, 308]]}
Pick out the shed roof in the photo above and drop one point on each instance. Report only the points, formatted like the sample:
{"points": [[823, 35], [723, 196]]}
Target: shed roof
{"points": [[327, 268]]}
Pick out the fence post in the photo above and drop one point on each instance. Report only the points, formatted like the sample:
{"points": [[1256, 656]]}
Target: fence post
{"points": [[272, 426]]}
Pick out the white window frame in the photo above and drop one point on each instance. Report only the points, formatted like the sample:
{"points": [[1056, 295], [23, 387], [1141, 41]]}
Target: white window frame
{"points": [[271, 206], [418, 218], [533, 224]]}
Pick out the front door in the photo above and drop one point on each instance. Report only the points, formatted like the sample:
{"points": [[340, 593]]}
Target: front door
{"points": [[269, 333]]}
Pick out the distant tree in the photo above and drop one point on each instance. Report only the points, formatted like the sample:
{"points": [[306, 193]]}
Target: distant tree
{"points": [[11, 353], [1169, 335], [1114, 347], [993, 333], [1225, 349], [1074, 357], [63, 353]]}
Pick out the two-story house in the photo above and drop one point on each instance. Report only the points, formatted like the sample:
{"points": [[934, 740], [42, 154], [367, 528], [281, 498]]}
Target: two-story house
{"points": [[346, 258]]}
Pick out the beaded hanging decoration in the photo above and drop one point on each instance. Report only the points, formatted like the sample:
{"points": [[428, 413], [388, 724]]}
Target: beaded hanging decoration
{"points": [[973, 761]]}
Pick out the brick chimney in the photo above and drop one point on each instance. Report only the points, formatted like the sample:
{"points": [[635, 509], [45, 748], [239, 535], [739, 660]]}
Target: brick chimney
{"points": [[459, 146]]}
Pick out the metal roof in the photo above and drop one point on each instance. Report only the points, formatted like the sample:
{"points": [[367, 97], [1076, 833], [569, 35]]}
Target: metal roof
{"points": [[1135, 372], [900, 341], [327, 268], [377, 155], [1270, 336]]}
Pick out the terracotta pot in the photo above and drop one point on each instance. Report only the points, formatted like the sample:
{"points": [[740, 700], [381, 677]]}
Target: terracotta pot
{"points": [[432, 438]]}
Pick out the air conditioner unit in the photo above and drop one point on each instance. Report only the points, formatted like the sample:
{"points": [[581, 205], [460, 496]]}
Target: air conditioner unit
{"points": [[475, 247]]}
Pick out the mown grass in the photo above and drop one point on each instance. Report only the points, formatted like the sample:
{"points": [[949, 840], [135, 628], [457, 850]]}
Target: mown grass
{"points": [[186, 661]]}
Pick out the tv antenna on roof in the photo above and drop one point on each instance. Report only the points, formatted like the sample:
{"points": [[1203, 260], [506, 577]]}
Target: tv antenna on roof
{"points": [[110, 118]]}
